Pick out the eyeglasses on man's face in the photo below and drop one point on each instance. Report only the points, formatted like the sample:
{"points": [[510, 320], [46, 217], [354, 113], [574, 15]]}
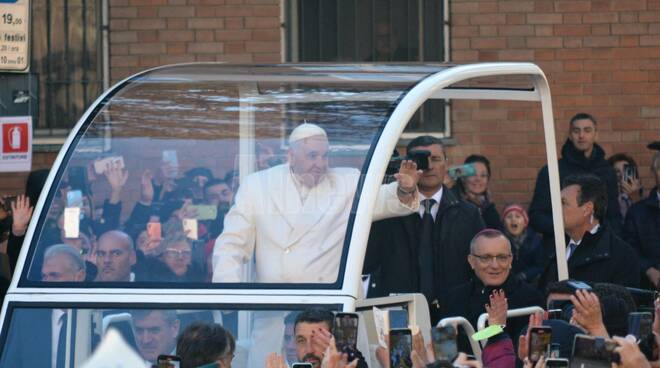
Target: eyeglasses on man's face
{"points": [[485, 259]]}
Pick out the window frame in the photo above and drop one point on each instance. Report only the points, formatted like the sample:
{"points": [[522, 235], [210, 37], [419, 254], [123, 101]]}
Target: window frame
{"points": [[290, 39]]}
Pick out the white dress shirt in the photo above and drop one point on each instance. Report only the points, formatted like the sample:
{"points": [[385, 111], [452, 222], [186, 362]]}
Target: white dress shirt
{"points": [[577, 243], [436, 206]]}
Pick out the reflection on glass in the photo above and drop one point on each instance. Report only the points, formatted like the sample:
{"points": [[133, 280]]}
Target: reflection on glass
{"points": [[42, 337], [167, 164]]}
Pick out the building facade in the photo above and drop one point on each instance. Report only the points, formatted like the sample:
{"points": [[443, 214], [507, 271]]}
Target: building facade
{"points": [[600, 56]]}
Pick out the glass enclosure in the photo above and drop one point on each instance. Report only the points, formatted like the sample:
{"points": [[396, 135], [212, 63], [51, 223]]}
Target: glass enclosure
{"points": [[166, 157], [149, 332]]}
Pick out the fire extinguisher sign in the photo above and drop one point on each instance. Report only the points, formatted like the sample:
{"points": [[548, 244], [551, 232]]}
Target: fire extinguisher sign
{"points": [[16, 144]]}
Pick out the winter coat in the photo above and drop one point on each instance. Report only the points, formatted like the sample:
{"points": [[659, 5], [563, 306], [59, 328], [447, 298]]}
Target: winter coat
{"points": [[468, 301], [573, 162], [528, 260], [392, 258], [642, 230], [600, 257]]}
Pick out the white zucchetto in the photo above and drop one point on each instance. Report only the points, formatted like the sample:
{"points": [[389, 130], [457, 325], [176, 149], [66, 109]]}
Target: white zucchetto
{"points": [[306, 130]]}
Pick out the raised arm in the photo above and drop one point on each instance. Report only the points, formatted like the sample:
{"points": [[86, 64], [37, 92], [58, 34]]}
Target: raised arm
{"points": [[235, 246]]}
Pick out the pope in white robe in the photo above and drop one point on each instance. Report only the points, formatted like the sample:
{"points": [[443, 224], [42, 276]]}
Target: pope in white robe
{"points": [[293, 217]]}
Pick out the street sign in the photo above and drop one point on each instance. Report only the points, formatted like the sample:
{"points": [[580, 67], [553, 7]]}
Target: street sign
{"points": [[14, 35], [16, 143]]}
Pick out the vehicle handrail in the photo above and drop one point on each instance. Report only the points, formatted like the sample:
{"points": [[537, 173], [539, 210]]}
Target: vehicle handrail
{"points": [[469, 330]]}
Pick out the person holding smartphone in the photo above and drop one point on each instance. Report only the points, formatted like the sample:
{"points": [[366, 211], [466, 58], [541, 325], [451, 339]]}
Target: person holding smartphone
{"points": [[313, 335], [474, 189], [627, 174]]}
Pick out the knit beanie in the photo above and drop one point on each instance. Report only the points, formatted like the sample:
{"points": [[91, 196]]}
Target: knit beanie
{"points": [[517, 208]]}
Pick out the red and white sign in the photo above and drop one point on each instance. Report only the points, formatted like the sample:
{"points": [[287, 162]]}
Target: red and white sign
{"points": [[16, 144]]}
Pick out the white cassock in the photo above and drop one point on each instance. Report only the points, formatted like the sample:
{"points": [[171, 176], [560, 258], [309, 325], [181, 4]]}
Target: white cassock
{"points": [[292, 241]]}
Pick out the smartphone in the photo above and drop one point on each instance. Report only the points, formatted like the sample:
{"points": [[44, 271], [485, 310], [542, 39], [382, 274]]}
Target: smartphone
{"points": [[630, 173], [205, 212], [302, 365], [539, 342], [444, 343], [101, 164], [461, 171], [170, 157], [554, 314], [640, 324], [596, 352], [398, 318], [168, 361], [8, 201], [578, 285], [400, 348], [154, 230], [556, 363], [346, 331], [74, 198]]}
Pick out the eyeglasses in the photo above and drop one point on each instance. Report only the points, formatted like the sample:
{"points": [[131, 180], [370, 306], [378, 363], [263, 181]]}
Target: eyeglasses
{"points": [[501, 259], [177, 253]]}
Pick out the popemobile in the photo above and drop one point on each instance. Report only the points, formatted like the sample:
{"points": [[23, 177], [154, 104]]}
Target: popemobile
{"points": [[138, 143]]}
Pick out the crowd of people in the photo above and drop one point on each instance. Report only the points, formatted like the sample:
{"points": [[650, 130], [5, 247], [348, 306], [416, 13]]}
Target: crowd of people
{"points": [[439, 236]]}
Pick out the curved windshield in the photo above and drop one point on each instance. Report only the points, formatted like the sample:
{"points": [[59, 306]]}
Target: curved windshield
{"points": [[217, 175]]}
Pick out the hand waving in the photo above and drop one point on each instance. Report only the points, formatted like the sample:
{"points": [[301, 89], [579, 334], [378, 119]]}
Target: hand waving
{"points": [[408, 175], [497, 308], [21, 212]]}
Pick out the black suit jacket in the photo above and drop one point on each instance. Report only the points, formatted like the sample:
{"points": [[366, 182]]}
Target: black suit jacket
{"points": [[392, 258], [600, 257], [28, 341]]}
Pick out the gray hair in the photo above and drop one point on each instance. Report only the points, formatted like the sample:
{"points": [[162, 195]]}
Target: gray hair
{"points": [[77, 263], [489, 234], [169, 315], [171, 239]]}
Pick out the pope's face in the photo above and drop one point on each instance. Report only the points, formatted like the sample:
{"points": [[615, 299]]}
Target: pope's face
{"points": [[309, 159]]}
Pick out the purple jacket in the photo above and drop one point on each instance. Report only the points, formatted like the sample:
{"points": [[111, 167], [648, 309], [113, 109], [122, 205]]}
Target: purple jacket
{"points": [[499, 352]]}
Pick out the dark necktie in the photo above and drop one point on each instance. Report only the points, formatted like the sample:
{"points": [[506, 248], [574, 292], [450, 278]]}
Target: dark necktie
{"points": [[61, 342], [426, 274]]}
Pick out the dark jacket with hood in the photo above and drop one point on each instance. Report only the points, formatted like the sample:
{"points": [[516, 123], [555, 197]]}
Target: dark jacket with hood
{"points": [[573, 162], [600, 257], [528, 261], [392, 258], [642, 230]]}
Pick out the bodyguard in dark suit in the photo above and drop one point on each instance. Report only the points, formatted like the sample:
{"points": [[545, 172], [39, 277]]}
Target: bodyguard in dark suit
{"points": [[424, 252], [595, 253], [30, 339]]}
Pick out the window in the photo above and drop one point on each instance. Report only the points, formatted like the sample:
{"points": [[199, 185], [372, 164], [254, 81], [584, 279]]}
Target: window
{"points": [[373, 31], [66, 59]]}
